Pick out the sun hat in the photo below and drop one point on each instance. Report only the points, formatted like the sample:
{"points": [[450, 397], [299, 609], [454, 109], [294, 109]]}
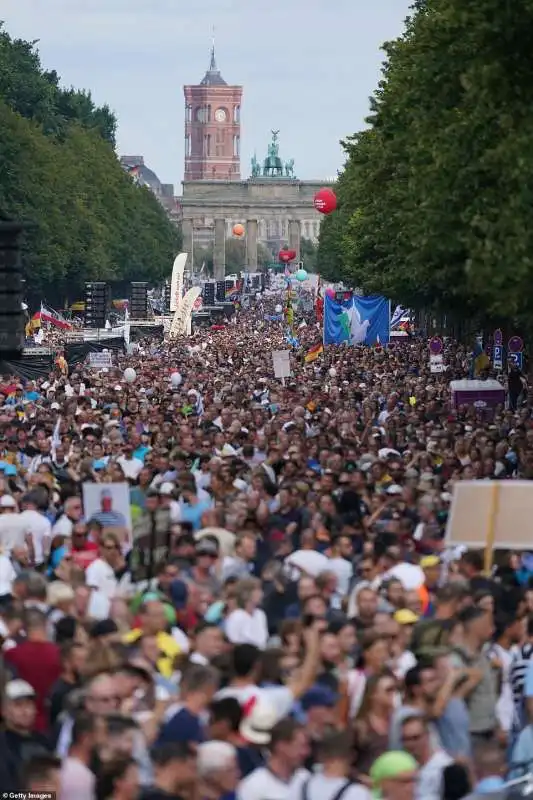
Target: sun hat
{"points": [[256, 727]]}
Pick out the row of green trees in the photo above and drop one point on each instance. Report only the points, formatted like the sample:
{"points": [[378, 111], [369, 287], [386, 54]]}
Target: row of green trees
{"points": [[59, 173], [436, 196]]}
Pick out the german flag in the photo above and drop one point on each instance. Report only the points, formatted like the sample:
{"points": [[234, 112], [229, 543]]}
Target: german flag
{"points": [[313, 353]]}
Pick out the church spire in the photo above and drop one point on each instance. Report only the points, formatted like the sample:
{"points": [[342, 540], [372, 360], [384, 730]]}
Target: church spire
{"points": [[213, 63], [213, 77]]}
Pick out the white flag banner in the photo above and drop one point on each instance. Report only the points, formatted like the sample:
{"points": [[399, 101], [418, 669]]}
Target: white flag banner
{"points": [[176, 283], [181, 323]]}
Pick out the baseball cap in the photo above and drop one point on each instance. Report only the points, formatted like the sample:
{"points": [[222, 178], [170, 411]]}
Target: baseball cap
{"points": [[389, 766], [394, 488], [429, 561], [6, 501], [18, 689], [404, 616], [318, 697], [206, 547]]}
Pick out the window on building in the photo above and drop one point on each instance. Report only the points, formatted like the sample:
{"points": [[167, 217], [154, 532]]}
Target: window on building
{"points": [[207, 145], [236, 113], [236, 145], [188, 112], [188, 145], [209, 113]]}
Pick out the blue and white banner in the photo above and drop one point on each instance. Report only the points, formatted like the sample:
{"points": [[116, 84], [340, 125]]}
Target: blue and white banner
{"points": [[358, 320], [396, 317]]}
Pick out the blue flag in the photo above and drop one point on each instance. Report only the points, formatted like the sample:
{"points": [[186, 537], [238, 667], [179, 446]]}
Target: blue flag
{"points": [[358, 320]]}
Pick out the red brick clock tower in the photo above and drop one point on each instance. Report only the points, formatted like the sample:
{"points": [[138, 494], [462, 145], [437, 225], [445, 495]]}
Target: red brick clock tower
{"points": [[212, 128]]}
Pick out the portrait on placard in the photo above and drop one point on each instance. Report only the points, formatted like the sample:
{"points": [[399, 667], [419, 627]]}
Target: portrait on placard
{"points": [[109, 504]]}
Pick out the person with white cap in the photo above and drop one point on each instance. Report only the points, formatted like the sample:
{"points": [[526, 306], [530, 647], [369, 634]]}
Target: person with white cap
{"points": [[283, 775], [19, 739], [218, 770]]}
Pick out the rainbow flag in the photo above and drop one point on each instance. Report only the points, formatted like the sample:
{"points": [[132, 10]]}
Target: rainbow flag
{"points": [[314, 353]]}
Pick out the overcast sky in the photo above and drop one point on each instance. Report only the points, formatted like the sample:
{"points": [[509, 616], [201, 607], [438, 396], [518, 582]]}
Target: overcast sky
{"points": [[307, 67]]}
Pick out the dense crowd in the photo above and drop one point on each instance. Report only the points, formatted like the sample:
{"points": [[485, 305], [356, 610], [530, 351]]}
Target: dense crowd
{"points": [[276, 615]]}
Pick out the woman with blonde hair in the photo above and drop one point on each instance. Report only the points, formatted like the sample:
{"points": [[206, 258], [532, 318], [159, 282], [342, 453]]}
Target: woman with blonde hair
{"points": [[247, 624]]}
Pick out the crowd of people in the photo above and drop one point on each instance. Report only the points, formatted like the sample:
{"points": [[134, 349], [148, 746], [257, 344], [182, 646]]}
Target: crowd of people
{"points": [[281, 618]]}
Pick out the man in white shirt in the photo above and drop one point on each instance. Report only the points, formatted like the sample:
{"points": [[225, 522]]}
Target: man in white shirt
{"points": [[283, 776], [12, 528], [102, 573], [246, 666], [131, 466], [72, 513], [331, 780], [433, 761], [37, 525]]}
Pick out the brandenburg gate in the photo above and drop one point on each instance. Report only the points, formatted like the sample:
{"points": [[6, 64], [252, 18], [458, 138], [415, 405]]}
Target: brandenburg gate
{"points": [[271, 204]]}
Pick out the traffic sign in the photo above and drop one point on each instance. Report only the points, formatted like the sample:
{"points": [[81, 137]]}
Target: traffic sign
{"points": [[515, 344], [497, 356], [436, 346], [516, 360]]}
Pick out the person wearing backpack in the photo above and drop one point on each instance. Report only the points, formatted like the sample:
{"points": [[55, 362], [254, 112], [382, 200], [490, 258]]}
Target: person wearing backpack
{"points": [[331, 780]]}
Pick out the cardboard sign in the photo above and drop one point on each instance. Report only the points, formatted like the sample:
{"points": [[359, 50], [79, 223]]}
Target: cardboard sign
{"points": [[102, 360], [282, 363], [491, 514], [436, 364]]}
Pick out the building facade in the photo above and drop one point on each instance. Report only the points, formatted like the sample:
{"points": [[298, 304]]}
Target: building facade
{"points": [[212, 128], [144, 176]]}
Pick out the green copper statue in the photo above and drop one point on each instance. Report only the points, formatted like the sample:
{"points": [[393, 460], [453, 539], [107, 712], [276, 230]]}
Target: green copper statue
{"points": [[273, 166]]}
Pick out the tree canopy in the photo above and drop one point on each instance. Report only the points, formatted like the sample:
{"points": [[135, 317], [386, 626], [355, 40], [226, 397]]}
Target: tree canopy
{"points": [[86, 219], [436, 194]]}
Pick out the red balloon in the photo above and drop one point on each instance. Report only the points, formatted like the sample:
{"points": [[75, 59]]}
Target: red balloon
{"points": [[330, 293], [287, 255], [325, 201]]}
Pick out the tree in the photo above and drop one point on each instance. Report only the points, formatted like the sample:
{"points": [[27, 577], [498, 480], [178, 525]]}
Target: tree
{"points": [[86, 218], [435, 197], [308, 254]]}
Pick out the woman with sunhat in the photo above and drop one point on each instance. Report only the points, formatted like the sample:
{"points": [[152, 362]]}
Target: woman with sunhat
{"points": [[393, 776]]}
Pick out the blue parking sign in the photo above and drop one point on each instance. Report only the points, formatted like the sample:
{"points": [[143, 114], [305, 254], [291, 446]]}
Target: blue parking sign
{"points": [[516, 360], [497, 356]]}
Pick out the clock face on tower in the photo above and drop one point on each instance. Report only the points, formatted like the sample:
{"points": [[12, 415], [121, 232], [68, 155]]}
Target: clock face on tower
{"points": [[220, 115]]}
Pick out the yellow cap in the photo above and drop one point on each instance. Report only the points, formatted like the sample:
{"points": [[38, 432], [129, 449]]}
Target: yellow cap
{"points": [[405, 617], [429, 561]]}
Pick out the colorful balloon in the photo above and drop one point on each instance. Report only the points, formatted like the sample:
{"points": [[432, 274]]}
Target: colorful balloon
{"points": [[330, 293], [238, 230], [301, 275], [325, 201]]}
